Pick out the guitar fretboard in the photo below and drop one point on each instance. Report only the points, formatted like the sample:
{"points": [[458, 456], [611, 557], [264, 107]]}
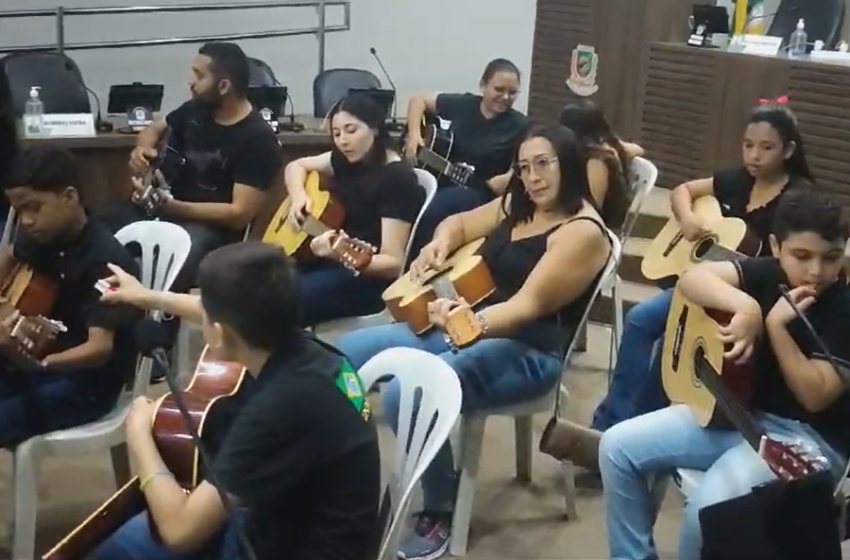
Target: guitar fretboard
{"points": [[729, 403], [442, 165], [313, 227], [443, 286], [722, 254]]}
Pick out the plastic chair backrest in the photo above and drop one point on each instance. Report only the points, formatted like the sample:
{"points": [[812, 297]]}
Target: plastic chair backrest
{"points": [[332, 85], [608, 273], [435, 384], [164, 248], [644, 175], [429, 184], [9, 229]]}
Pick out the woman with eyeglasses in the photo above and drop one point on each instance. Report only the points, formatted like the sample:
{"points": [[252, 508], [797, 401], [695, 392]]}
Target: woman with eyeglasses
{"points": [[486, 130], [546, 248]]}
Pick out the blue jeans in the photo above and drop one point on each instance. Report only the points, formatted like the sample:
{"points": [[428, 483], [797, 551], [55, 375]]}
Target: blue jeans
{"points": [[134, 541], [493, 372], [636, 386], [328, 291], [636, 452]]}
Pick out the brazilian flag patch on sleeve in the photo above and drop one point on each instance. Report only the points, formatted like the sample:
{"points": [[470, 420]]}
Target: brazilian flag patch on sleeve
{"points": [[352, 387]]}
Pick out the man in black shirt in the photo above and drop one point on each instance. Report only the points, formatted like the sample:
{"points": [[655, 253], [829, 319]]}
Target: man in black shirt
{"points": [[81, 379], [301, 456], [799, 396], [219, 157]]}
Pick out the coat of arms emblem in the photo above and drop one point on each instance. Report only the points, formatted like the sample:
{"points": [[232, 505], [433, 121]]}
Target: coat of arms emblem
{"points": [[583, 69]]}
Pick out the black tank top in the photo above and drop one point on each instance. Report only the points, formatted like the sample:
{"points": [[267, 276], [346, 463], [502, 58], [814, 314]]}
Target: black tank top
{"points": [[510, 263]]}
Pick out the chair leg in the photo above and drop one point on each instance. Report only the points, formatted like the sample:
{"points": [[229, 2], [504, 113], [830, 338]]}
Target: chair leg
{"points": [[25, 488], [581, 339], [523, 436], [472, 436], [568, 471], [120, 464]]}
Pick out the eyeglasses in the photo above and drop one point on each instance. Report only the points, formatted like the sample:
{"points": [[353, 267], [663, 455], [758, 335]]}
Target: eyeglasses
{"points": [[539, 164]]}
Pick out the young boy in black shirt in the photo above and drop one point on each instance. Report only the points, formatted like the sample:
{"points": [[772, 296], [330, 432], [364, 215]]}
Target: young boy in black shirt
{"points": [[799, 396], [301, 457], [80, 381]]}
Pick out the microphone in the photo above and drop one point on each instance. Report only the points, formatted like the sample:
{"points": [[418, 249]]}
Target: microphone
{"points": [[152, 338], [100, 124], [291, 126], [394, 126]]}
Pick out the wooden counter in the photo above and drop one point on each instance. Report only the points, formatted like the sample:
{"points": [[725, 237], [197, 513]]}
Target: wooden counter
{"points": [[696, 101], [621, 31], [106, 174]]}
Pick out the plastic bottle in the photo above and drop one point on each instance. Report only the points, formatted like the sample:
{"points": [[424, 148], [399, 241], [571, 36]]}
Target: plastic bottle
{"points": [[34, 115], [799, 41]]}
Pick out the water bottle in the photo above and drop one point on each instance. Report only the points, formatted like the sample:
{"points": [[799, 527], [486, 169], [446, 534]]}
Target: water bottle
{"points": [[34, 115], [799, 41]]}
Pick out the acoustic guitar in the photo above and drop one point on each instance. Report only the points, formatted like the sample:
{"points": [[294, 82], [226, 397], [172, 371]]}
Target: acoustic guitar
{"points": [[168, 162], [434, 156], [212, 383], [670, 254], [325, 215], [26, 299], [718, 391], [463, 275]]}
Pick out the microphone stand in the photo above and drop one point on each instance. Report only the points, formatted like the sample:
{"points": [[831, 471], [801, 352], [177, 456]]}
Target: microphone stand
{"points": [[161, 360], [394, 125]]}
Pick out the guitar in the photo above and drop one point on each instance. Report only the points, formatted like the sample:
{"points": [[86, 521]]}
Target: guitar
{"points": [[169, 162], [718, 391], [26, 298], [463, 275], [325, 215], [213, 381], [434, 156], [670, 254]]}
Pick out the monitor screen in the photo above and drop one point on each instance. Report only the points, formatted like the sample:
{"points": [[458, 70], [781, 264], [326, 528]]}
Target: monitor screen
{"points": [[124, 98], [269, 98], [383, 97]]}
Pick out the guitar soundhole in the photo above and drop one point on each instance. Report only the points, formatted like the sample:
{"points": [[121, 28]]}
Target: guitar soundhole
{"points": [[703, 247]]}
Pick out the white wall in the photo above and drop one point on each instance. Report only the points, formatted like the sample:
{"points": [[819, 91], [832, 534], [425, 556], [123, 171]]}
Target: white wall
{"points": [[427, 45]]}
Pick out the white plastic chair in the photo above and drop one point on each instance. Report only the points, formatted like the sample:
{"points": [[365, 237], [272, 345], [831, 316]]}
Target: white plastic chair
{"points": [[165, 247], [9, 229], [332, 330], [472, 431], [440, 401], [644, 175]]}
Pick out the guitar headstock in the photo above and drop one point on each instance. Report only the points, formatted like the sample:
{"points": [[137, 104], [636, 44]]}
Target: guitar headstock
{"points": [[353, 254], [460, 173], [790, 461], [463, 327]]}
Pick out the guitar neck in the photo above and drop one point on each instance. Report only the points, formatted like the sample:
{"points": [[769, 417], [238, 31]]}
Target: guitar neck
{"points": [[439, 163], [728, 402], [719, 253], [313, 227]]}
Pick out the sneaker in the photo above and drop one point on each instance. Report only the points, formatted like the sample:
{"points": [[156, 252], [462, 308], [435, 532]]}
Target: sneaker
{"points": [[429, 539]]}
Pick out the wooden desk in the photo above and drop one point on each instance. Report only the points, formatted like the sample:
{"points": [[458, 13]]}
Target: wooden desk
{"points": [[696, 101], [106, 173]]}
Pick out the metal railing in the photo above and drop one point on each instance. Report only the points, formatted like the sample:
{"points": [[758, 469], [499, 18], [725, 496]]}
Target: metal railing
{"points": [[60, 13]]}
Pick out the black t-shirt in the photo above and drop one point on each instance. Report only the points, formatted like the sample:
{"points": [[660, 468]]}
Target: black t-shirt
{"points": [[370, 194], [218, 157], [732, 190], [830, 316], [76, 265], [489, 145], [304, 461]]}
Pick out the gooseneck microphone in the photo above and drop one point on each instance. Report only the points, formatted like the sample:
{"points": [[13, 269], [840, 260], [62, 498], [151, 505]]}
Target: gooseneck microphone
{"points": [[152, 338], [394, 124]]}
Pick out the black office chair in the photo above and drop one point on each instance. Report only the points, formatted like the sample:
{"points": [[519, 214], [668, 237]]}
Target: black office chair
{"points": [[62, 87], [261, 74], [824, 20], [332, 85]]}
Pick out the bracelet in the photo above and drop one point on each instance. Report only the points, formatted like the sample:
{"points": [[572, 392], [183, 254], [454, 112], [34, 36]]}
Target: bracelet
{"points": [[484, 326], [147, 480], [451, 343]]}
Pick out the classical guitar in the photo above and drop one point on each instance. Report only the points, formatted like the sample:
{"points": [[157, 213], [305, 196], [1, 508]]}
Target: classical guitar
{"points": [[670, 254], [325, 215], [463, 275], [434, 156], [718, 391], [26, 299], [213, 382]]}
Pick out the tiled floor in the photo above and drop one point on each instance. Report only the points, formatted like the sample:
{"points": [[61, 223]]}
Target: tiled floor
{"points": [[510, 521]]}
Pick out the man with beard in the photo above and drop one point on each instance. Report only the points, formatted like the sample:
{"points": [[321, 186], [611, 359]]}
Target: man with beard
{"points": [[215, 152]]}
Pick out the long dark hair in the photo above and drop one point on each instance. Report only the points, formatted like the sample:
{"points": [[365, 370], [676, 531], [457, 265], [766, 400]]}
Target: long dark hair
{"points": [[783, 120], [572, 161], [587, 120], [8, 132], [362, 107]]}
